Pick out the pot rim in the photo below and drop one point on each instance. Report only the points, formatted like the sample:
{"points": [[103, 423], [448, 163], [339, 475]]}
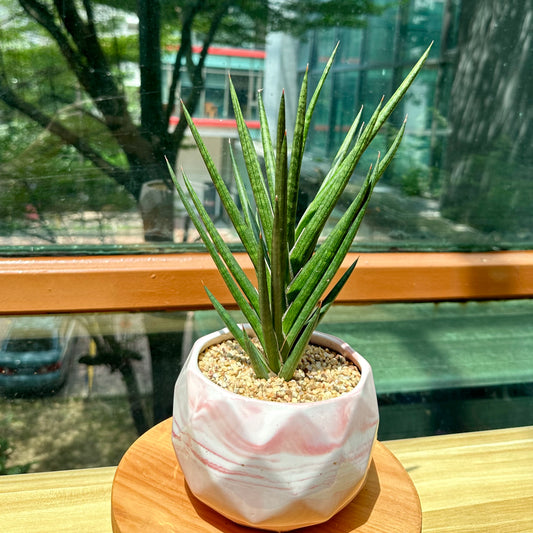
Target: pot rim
{"points": [[322, 339]]}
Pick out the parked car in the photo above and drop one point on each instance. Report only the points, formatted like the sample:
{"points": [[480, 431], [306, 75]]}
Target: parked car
{"points": [[35, 355]]}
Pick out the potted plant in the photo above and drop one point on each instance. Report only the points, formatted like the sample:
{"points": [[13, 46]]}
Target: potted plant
{"points": [[273, 422]]}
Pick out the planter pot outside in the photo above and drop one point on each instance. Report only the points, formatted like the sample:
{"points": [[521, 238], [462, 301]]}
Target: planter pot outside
{"points": [[272, 465], [157, 211]]}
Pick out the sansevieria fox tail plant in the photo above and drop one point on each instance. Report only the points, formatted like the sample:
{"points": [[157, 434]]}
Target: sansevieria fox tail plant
{"points": [[293, 272]]}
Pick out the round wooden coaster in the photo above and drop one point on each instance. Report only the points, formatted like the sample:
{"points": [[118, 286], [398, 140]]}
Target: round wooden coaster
{"points": [[150, 494]]}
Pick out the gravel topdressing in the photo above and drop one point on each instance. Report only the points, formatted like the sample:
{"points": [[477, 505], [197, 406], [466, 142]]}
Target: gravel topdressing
{"points": [[321, 375]]}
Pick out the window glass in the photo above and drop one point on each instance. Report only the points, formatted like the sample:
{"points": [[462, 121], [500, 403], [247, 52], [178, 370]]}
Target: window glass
{"points": [[378, 38], [425, 21], [83, 400], [81, 149], [215, 92], [447, 187], [76, 390], [325, 41], [319, 131], [343, 110], [350, 50], [305, 53]]}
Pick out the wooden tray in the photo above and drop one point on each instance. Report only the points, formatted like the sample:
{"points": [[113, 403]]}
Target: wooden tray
{"points": [[150, 494]]}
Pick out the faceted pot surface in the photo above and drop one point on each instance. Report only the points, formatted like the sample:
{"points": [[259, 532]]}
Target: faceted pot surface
{"points": [[272, 465]]}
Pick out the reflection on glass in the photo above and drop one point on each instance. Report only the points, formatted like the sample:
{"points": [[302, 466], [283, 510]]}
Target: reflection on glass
{"points": [[80, 395], [77, 151], [438, 368]]}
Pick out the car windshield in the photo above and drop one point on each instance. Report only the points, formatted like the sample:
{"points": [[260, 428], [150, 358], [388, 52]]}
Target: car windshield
{"points": [[20, 345]]}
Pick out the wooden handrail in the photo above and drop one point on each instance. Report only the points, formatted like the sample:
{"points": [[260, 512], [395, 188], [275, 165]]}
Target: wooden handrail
{"points": [[175, 281]]}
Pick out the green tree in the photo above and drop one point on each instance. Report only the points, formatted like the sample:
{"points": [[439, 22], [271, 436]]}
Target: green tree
{"points": [[78, 54]]}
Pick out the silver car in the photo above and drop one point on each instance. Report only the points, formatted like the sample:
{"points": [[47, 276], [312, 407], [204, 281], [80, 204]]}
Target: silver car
{"points": [[35, 355]]}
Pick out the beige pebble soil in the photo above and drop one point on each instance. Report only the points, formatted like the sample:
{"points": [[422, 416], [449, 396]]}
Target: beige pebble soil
{"points": [[321, 375]]}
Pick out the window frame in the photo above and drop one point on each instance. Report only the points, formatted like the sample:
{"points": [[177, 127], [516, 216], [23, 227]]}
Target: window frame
{"points": [[38, 285]]}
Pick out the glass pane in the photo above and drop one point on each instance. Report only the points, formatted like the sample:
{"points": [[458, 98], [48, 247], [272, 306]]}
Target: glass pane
{"points": [[76, 390], [82, 150], [82, 170], [438, 368], [424, 23], [379, 37], [447, 187], [350, 50]]}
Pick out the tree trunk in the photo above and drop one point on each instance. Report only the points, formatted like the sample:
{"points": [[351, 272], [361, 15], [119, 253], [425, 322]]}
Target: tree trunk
{"points": [[489, 153], [134, 397], [166, 355]]}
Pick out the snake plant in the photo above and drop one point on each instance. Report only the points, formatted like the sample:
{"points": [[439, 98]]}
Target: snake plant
{"points": [[293, 272]]}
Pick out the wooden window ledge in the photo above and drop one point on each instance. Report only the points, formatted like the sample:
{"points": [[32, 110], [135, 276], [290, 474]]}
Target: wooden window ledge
{"points": [[176, 281], [469, 482]]}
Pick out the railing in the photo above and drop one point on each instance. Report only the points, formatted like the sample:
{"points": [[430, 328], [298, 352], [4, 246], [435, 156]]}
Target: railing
{"points": [[175, 281]]}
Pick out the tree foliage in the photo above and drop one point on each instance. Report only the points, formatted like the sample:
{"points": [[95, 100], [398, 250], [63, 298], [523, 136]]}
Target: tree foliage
{"points": [[75, 55]]}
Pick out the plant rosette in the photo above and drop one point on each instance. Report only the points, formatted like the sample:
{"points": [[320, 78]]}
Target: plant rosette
{"points": [[273, 465]]}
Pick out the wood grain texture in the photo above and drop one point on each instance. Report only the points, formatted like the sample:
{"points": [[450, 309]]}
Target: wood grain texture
{"points": [[473, 482], [57, 502], [176, 281], [469, 482], [150, 494]]}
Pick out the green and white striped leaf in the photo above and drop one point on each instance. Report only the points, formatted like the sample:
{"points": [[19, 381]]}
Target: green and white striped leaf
{"points": [[248, 309], [270, 344], [255, 175], [243, 197], [268, 149], [245, 233], [261, 369], [297, 351]]}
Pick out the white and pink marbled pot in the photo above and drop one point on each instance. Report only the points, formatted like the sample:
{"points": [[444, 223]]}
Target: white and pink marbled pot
{"points": [[276, 466]]}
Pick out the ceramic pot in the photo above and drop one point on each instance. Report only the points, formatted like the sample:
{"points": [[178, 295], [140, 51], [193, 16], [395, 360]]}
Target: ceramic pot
{"points": [[271, 465]]}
